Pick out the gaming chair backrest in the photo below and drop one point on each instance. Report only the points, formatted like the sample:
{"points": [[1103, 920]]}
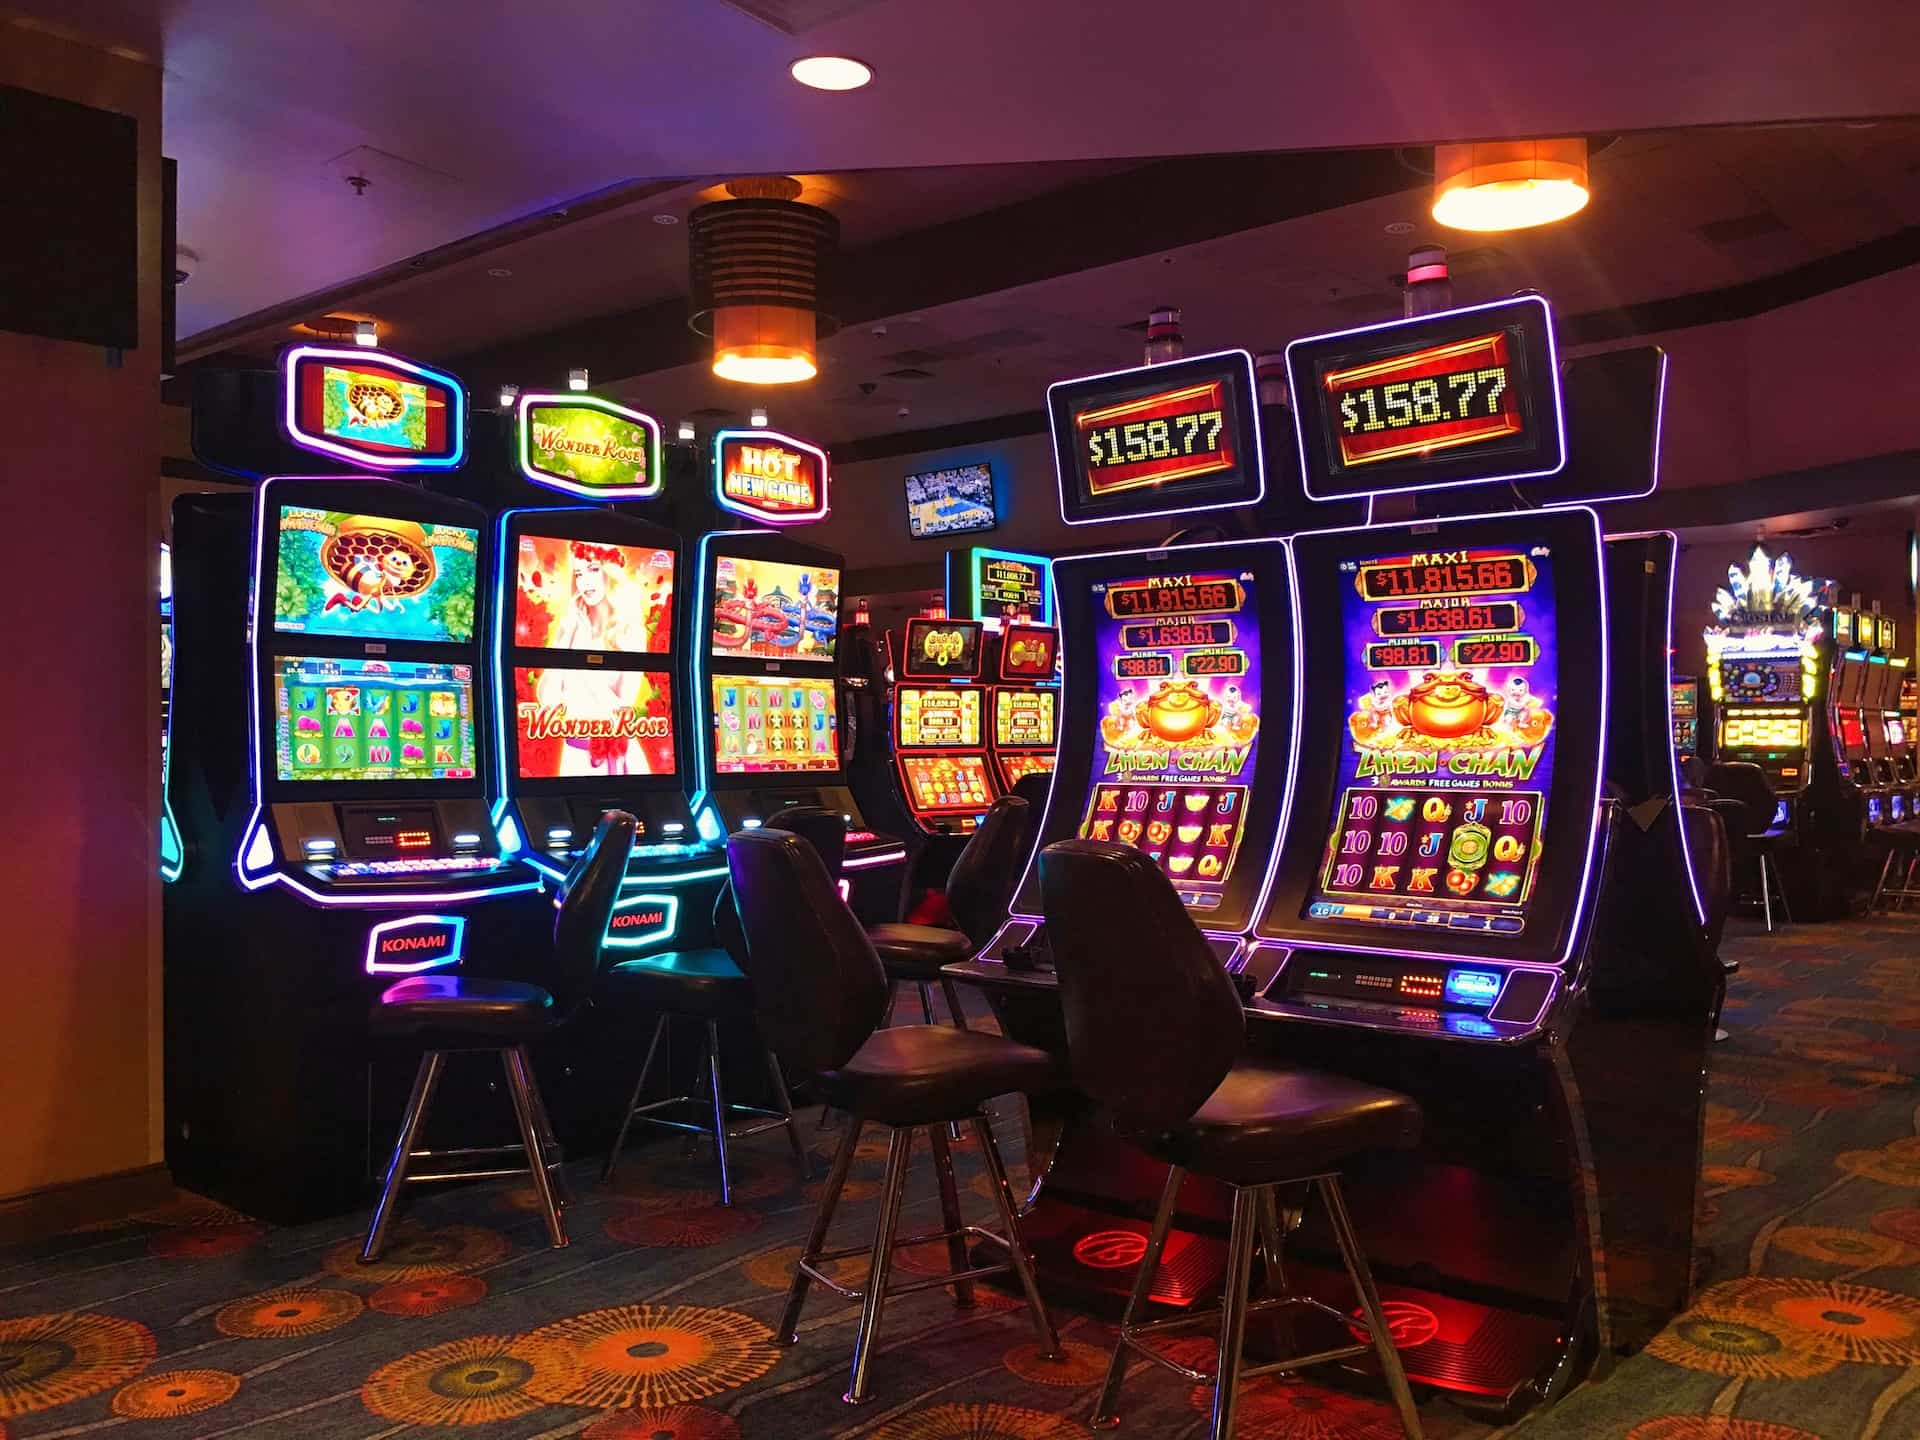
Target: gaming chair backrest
{"points": [[1153, 1022], [980, 886], [818, 987], [1034, 789], [825, 830], [1746, 782], [1704, 832], [585, 905]]}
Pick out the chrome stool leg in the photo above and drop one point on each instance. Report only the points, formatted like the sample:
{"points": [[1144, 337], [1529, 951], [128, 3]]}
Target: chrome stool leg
{"points": [[880, 1270], [948, 989], [1766, 894], [785, 1102], [549, 1137], [1017, 1251], [817, 1237], [633, 1102], [426, 1080], [926, 1001], [1105, 1416], [1362, 1277], [719, 1110], [519, 1085], [950, 1213], [1233, 1311]]}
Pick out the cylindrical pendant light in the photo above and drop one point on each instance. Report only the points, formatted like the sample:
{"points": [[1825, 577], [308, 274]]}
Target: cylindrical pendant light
{"points": [[756, 261], [1509, 184]]}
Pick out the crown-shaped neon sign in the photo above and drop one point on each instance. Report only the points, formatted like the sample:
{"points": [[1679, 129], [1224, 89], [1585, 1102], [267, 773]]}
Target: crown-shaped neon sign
{"points": [[1767, 592]]}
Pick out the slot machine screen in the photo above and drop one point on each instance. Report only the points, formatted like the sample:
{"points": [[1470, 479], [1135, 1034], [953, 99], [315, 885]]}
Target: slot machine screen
{"points": [[946, 782], [940, 648], [939, 716], [373, 577], [1178, 695], [592, 595], [351, 720], [767, 725], [595, 722], [774, 610], [1761, 681], [1852, 737], [1447, 752], [1023, 719]]}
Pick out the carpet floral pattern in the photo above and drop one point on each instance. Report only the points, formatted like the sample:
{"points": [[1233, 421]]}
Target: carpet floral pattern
{"points": [[658, 1322]]}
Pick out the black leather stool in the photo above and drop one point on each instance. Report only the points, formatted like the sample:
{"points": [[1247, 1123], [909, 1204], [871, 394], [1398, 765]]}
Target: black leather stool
{"points": [[467, 1012], [1754, 841], [979, 888], [710, 985], [1138, 978], [820, 995]]}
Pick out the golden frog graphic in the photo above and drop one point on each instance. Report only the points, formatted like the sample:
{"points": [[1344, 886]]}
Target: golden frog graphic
{"points": [[1178, 711], [1447, 705]]}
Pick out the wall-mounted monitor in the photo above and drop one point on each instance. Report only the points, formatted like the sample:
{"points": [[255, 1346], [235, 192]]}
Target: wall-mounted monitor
{"points": [[774, 610], [1458, 397], [955, 501], [770, 725], [592, 595], [941, 649], [1158, 440], [589, 721], [352, 720], [373, 577]]}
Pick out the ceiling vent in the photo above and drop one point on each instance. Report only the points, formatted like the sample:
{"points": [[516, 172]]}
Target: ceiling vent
{"points": [[796, 17], [1741, 228], [907, 372]]}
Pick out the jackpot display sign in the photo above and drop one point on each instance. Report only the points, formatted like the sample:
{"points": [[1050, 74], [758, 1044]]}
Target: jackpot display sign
{"points": [[373, 409], [1023, 719], [592, 595], [774, 610], [771, 725], [373, 577], [1009, 588], [1454, 398], [583, 445], [1446, 763], [352, 720], [1178, 692], [769, 477], [592, 722], [1180, 436]]}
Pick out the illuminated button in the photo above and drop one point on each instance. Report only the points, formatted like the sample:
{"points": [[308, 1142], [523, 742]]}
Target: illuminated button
{"points": [[1505, 924]]}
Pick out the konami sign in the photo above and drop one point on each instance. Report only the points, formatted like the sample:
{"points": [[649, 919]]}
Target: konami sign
{"points": [[414, 943]]}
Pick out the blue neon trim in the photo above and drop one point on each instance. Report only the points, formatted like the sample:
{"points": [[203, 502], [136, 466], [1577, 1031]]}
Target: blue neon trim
{"points": [[363, 356], [977, 553]]}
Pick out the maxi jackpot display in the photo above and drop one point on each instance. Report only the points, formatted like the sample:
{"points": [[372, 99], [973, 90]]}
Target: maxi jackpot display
{"points": [[766, 696], [327, 779]]}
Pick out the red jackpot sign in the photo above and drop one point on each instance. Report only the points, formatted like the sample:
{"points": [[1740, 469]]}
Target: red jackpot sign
{"points": [[769, 477]]}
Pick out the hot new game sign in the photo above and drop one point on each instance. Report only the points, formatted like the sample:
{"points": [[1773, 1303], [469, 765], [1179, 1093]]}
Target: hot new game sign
{"points": [[769, 477], [582, 445]]}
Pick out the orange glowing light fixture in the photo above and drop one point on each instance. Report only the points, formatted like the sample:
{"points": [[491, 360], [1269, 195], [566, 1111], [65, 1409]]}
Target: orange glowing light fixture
{"points": [[756, 258], [1509, 184]]}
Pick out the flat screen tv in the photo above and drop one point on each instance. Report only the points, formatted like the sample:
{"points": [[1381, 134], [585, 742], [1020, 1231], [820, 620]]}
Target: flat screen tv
{"points": [[955, 501]]}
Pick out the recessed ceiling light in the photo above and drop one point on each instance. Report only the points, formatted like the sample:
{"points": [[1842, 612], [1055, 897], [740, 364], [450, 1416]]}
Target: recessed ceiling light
{"points": [[665, 219], [500, 272], [1399, 227], [830, 72]]}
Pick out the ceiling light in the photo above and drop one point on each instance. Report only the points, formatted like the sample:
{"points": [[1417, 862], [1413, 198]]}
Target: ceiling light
{"points": [[755, 262], [499, 272], [757, 417], [577, 378], [508, 394], [663, 218], [365, 332], [1509, 184], [830, 72], [686, 431]]}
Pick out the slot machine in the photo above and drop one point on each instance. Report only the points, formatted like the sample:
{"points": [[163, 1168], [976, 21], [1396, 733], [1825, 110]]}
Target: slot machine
{"points": [[591, 669], [326, 773], [1686, 717], [1025, 703], [939, 726]]}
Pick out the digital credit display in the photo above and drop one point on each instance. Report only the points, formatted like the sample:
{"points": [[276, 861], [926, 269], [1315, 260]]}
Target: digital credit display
{"points": [[1160, 438], [1431, 400], [936, 716], [1023, 718], [1177, 742], [1446, 763]]}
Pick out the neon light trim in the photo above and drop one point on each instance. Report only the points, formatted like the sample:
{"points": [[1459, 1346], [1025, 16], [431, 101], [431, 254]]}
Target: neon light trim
{"points": [[665, 932], [573, 399], [360, 357], [765, 517], [456, 951], [1553, 369], [1259, 448], [978, 553]]}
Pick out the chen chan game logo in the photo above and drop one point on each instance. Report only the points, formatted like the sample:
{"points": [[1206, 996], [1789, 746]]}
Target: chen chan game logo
{"points": [[1178, 725], [1449, 721]]}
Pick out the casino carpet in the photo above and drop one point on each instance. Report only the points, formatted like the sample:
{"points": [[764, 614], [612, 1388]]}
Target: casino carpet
{"points": [[655, 1325]]}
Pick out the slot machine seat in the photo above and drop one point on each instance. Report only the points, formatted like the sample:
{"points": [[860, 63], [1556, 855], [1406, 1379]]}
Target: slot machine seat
{"points": [[438, 1013], [820, 996], [979, 888], [710, 984], [1204, 1106], [1749, 841]]}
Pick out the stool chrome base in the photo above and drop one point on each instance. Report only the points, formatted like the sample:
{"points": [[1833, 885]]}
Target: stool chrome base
{"points": [[719, 1111], [1256, 1212], [537, 1147], [879, 1288]]}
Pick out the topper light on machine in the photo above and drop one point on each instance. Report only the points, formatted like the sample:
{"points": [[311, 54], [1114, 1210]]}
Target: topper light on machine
{"points": [[373, 408], [769, 477], [585, 446]]}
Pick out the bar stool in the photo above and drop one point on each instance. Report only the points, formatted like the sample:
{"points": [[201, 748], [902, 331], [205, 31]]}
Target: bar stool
{"points": [[1754, 841], [1204, 1107], [979, 888], [820, 995], [710, 985], [468, 1012]]}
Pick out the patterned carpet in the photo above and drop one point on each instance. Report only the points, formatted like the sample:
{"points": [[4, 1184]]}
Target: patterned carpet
{"points": [[656, 1323]]}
